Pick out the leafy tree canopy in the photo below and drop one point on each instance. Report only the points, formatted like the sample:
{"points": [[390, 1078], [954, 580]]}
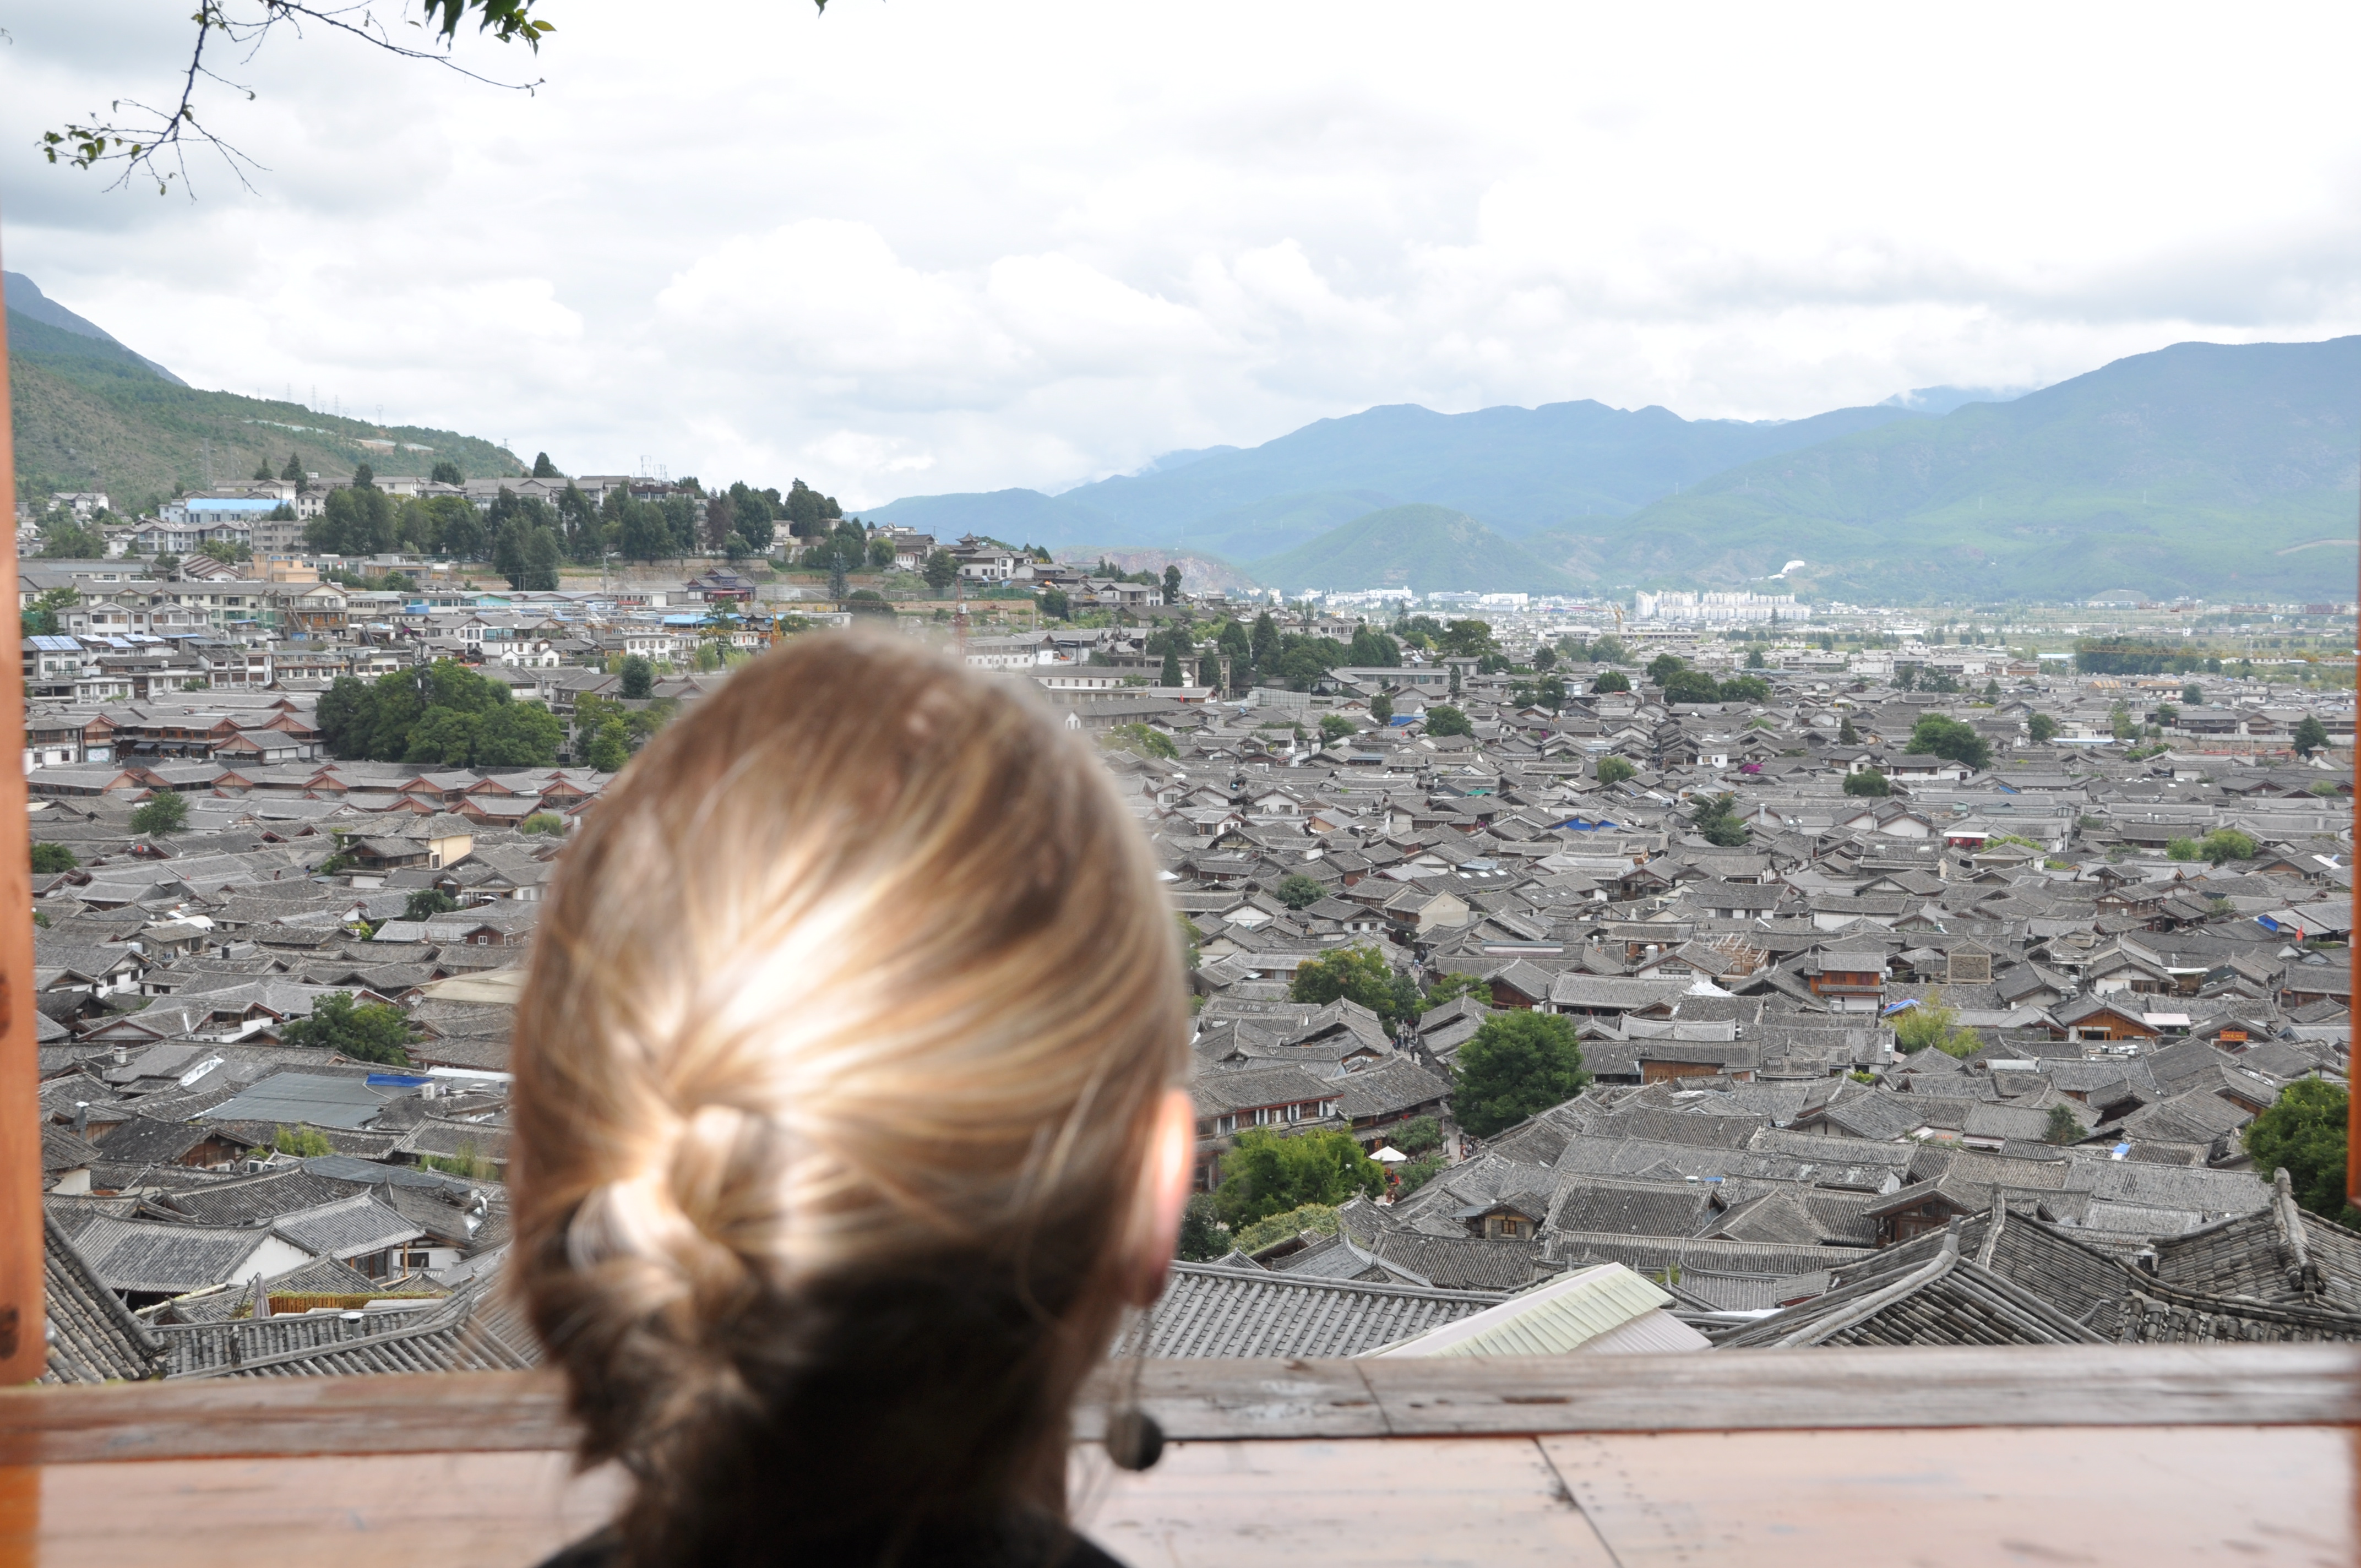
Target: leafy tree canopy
{"points": [[1358, 973], [1517, 1064], [1612, 681], [1444, 719], [1298, 892], [445, 713], [1934, 736], [1266, 1174], [2304, 1134], [372, 1031], [48, 859], [1868, 782], [166, 811]]}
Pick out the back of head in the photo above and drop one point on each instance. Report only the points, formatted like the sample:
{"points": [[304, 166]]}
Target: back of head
{"points": [[853, 1001]]}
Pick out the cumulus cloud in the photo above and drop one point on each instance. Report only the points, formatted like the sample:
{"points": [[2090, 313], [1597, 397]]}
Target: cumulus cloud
{"points": [[928, 246]]}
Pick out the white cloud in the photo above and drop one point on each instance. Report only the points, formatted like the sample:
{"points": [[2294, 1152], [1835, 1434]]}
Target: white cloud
{"points": [[933, 245]]}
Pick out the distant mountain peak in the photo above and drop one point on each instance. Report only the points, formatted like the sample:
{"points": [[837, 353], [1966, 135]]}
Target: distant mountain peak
{"points": [[24, 297], [1940, 401]]}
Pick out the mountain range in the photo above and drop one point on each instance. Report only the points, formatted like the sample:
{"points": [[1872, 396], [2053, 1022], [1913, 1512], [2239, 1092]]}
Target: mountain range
{"points": [[91, 413], [2201, 469]]}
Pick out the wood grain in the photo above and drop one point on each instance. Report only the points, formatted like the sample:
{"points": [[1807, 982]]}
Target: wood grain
{"points": [[2266, 1496], [455, 1511], [2071, 1385], [1476, 1502]]}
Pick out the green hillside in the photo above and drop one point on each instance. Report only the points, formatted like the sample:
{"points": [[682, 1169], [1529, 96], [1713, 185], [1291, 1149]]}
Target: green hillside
{"points": [[1429, 548], [1519, 470], [2205, 469], [90, 414]]}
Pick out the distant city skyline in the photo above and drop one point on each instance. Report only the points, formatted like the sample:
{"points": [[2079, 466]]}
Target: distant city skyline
{"points": [[916, 247]]}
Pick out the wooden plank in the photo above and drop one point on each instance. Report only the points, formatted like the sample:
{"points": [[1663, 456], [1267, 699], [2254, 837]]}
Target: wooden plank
{"points": [[2158, 1496], [259, 1417], [2077, 1386], [23, 1348], [1210, 1400], [1476, 1502], [496, 1511], [1767, 1391], [2155, 1496]]}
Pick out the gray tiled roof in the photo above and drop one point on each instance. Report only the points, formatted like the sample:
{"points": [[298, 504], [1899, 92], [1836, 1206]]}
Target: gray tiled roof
{"points": [[1208, 1312]]}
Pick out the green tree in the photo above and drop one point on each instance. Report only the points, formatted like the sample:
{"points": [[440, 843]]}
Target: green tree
{"points": [[372, 1031], [1141, 740], [1335, 727], [1444, 719], [2064, 1127], [543, 469], [1265, 1174], [1934, 1023], [516, 735], [1612, 769], [941, 570], [427, 902], [447, 473], [48, 859], [1754, 660], [1934, 736], [1691, 685], [2310, 736], [41, 618], [1664, 667], [304, 1143], [1170, 675], [1415, 1174], [2043, 728], [608, 747], [1449, 989], [1263, 642], [1846, 734], [1868, 782], [1171, 585], [1298, 891], [1716, 818], [2227, 844], [166, 811], [1054, 605], [639, 677], [2180, 849], [1517, 1064], [1612, 681], [2304, 1134], [1358, 973], [1203, 1238], [547, 822], [1381, 709]]}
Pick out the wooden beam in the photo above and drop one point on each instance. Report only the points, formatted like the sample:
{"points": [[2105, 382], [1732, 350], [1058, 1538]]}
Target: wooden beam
{"points": [[24, 1353], [1196, 1401]]}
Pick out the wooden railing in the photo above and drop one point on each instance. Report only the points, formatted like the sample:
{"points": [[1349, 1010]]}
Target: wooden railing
{"points": [[2137, 1454]]}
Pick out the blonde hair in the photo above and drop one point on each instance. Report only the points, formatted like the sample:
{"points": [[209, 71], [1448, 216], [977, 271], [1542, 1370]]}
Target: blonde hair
{"points": [[847, 1022]]}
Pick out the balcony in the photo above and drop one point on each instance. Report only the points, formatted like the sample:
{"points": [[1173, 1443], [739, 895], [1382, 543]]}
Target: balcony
{"points": [[2073, 1454]]}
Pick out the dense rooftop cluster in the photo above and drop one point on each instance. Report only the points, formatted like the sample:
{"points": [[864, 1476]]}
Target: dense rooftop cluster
{"points": [[274, 1016]]}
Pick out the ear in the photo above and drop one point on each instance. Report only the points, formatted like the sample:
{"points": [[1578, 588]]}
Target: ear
{"points": [[1169, 1164]]}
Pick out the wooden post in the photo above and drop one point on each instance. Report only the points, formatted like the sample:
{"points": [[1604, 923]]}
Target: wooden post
{"points": [[23, 1353], [2352, 971]]}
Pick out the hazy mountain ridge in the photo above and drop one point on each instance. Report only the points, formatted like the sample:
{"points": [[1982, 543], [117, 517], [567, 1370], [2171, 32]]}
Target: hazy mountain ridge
{"points": [[2198, 468], [1420, 547], [1519, 470]]}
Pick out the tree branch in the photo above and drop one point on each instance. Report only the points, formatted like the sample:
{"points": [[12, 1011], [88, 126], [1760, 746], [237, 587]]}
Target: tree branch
{"points": [[151, 143]]}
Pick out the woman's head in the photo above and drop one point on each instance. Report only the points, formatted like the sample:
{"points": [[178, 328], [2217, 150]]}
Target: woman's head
{"points": [[851, 1015]]}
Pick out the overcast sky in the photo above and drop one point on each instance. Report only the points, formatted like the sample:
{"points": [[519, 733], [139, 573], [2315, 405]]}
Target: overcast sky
{"points": [[918, 245]]}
